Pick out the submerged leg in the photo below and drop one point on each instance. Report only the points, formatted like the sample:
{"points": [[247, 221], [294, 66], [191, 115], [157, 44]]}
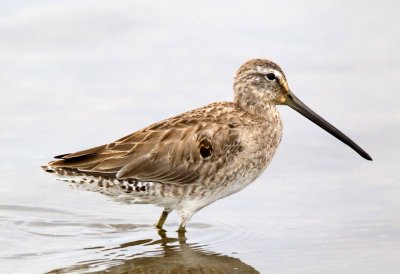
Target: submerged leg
{"points": [[185, 217], [163, 217], [181, 229]]}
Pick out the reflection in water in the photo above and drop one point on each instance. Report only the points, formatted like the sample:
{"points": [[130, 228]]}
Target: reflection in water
{"points": [[75, 243], [170, 255]]}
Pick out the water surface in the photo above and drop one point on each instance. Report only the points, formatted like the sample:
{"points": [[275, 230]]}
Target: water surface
{"points": [[79, 74]]}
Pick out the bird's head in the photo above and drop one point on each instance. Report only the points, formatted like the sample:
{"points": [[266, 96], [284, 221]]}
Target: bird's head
{"points": [[260, 84]]}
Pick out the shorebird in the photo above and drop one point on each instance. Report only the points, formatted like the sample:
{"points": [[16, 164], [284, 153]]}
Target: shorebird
{"points": [[189, 161]]}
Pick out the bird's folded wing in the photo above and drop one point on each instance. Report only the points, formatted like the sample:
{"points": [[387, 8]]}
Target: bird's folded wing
{"points": [[180, 151]]}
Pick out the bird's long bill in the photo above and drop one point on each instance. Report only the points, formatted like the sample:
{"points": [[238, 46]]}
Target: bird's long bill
{"points": [[295, 103]]}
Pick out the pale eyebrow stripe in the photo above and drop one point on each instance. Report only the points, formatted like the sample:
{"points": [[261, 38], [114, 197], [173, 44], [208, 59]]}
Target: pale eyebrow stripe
{"points": [[281, 79], [279, 76]]}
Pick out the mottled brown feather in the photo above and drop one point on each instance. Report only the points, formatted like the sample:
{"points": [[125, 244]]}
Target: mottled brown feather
{"points": [[189, 161], [168, 151]]}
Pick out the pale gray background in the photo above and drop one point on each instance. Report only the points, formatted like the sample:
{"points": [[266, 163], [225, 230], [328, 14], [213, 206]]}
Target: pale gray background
{"points": [[76, 74]]}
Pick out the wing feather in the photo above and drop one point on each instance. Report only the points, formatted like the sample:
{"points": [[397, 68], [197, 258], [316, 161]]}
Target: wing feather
{"points": [[168, 151]]}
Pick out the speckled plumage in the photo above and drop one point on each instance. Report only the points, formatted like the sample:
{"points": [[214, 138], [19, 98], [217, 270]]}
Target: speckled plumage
{"points": [[189, 161]]}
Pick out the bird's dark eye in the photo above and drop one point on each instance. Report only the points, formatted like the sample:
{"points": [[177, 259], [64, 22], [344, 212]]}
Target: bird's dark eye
{"points": [[271, 76]]}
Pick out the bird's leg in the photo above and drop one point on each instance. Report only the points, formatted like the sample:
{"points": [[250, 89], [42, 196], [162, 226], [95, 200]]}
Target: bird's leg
{"points": [[182, 233], [185, 217], [181, 229], [163, 217], [162, 233], [182, 236]]}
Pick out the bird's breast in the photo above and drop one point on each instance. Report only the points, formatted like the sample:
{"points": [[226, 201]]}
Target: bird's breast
{"points": [[260, 141]]}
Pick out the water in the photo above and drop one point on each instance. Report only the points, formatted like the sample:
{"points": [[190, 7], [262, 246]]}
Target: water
{"points": [[78, 74]]}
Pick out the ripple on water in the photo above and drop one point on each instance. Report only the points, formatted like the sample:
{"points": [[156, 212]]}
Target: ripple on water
{"points": [[23, 208], [223, 236], [85, 243], [173, 256]]}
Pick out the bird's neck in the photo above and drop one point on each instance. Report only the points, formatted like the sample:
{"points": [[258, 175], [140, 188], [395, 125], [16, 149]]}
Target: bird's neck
{"points": [[258, 108]]}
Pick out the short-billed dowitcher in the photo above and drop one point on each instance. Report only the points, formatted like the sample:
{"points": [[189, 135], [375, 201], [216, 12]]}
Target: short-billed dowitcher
{"points": [[191, 160]]}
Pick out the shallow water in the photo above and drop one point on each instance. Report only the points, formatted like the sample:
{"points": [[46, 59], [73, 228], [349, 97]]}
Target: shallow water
{"points": [[78, 74]]}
